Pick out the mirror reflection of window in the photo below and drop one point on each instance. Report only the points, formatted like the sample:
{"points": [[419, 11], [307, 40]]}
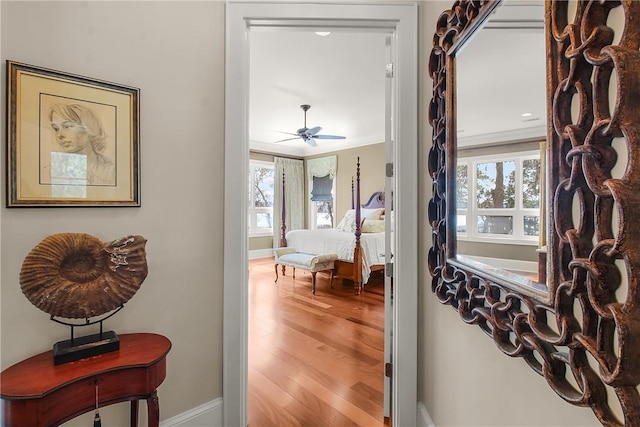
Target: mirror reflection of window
{"points": [[462, 198], [495, 186], [68, 175], [506, 196]]}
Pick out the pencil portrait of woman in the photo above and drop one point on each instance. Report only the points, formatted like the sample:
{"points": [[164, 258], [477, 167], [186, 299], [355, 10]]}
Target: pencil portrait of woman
{"points": [[79, 147]]}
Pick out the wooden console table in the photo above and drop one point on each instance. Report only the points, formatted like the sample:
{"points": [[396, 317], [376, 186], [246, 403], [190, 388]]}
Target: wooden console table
{"points": [[36, 393]]}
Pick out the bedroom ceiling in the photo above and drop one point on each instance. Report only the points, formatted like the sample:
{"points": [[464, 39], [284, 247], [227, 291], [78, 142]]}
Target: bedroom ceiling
{"points": [[342, 77]]}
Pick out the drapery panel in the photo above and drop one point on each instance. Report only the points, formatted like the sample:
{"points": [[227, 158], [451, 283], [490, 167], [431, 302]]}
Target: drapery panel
{"points": [[293, 170]]}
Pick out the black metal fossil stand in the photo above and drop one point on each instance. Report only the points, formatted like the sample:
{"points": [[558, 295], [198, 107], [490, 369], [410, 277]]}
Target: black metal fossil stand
{"points": [[90, 345]]}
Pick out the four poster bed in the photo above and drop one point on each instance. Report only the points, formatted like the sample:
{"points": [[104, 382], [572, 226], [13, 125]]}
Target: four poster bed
{"points": [[358, 240]]}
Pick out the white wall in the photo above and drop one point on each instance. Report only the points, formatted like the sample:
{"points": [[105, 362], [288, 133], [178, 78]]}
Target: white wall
{"points": [[174, 52], [464, 380]]}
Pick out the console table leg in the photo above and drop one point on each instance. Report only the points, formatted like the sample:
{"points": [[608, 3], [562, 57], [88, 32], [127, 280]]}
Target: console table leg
{"points": [[134, 413], [153, 409]]}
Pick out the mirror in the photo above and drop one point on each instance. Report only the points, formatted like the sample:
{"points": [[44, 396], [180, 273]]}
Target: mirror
{"points": [[500, 147], [580, 331]]}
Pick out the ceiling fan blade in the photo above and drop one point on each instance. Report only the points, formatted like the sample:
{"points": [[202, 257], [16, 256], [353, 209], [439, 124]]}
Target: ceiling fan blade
{"points": [[286, 133], [329, 137], [308, 135], [286, 139]]}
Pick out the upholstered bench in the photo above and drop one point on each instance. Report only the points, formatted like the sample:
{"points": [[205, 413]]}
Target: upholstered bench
{"points": [[313, 263]]}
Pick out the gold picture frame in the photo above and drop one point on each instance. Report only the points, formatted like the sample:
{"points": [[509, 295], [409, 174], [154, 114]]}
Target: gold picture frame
{"points": [[71, 140]]}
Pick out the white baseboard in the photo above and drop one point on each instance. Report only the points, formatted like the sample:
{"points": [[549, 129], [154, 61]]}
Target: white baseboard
{"points": [[424, 420], [261, 253], [206, 415]]}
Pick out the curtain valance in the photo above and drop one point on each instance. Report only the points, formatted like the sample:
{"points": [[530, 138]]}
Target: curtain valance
{"points": [[322, 166]]}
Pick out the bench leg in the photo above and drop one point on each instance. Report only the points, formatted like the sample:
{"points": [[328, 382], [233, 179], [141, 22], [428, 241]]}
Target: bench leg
{"points": [[276, 281], [331, 279], [313, 282], [294, 272]]}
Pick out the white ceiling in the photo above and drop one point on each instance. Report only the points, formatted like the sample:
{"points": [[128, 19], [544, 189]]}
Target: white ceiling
{"points": [[342, 77], [501, 74]]}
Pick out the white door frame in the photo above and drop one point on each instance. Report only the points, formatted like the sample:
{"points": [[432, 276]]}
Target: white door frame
{"points": [[403, 19]]}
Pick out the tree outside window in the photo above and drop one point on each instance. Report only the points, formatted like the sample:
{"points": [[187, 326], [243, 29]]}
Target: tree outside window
{"points": [[505, 191], [261, 193], [321, 205]]}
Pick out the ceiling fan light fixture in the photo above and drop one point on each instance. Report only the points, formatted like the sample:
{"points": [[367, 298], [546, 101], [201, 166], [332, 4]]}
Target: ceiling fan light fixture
{"points": [[323, 33], [309, 135]]}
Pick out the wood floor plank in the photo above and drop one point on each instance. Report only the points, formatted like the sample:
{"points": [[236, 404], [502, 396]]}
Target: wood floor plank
{"points": [[276, 394], [333, 328], [314, 360], [306, 403], [306, 300], [335, 343], [341, 382], [264, 412], [328, 330], [325, 357], [357, 415]]}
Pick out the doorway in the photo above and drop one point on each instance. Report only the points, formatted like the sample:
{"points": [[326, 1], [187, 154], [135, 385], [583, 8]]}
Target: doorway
{"points": [[402, 19]]}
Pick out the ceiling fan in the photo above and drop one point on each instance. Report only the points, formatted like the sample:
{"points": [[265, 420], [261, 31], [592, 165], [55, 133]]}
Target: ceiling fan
{"points": [[309, 135]]}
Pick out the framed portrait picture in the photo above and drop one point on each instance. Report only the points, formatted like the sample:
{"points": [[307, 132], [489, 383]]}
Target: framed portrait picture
{"points": [[71, 140]]}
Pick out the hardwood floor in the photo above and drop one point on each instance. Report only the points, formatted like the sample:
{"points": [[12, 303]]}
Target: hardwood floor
{"points": [[314, 360]]}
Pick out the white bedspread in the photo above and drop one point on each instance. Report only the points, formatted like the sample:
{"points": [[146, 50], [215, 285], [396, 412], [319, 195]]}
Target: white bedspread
{"points": [[328, 241]]}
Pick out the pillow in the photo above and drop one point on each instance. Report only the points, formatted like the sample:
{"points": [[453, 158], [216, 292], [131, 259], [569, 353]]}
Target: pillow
{"points": [[346, 218], [348, 222], [376, 213], [371, 213], [373, 226]]}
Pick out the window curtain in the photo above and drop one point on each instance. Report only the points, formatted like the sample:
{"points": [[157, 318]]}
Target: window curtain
{"points": [[322, 187], [294, 198], [322, 166]]}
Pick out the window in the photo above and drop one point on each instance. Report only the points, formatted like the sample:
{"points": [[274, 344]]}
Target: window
{"points": [[261, 191], [321, 206], [498, 198]]}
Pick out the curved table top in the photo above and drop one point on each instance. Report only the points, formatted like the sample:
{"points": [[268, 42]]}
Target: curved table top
{"points": [[37, 376]]}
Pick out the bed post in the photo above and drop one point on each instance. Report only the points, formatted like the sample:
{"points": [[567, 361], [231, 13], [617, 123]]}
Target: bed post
{"points": [[283, 226], [352, 195], [357, 251]]}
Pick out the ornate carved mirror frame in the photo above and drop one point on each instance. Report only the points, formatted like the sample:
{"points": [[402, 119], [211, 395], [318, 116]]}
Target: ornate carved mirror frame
{"points": [[583, 336]]}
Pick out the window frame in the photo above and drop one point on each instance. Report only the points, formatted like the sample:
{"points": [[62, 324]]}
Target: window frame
{"points": [[253, 211], [518, 212]]}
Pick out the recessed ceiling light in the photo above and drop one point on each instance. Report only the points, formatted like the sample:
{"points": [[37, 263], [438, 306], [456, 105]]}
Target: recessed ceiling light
{"points": [[526, 114], [323, 33]]}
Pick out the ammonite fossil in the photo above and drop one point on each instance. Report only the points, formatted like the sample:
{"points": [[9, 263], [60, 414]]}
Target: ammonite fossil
{"points": [[75, 275]]}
